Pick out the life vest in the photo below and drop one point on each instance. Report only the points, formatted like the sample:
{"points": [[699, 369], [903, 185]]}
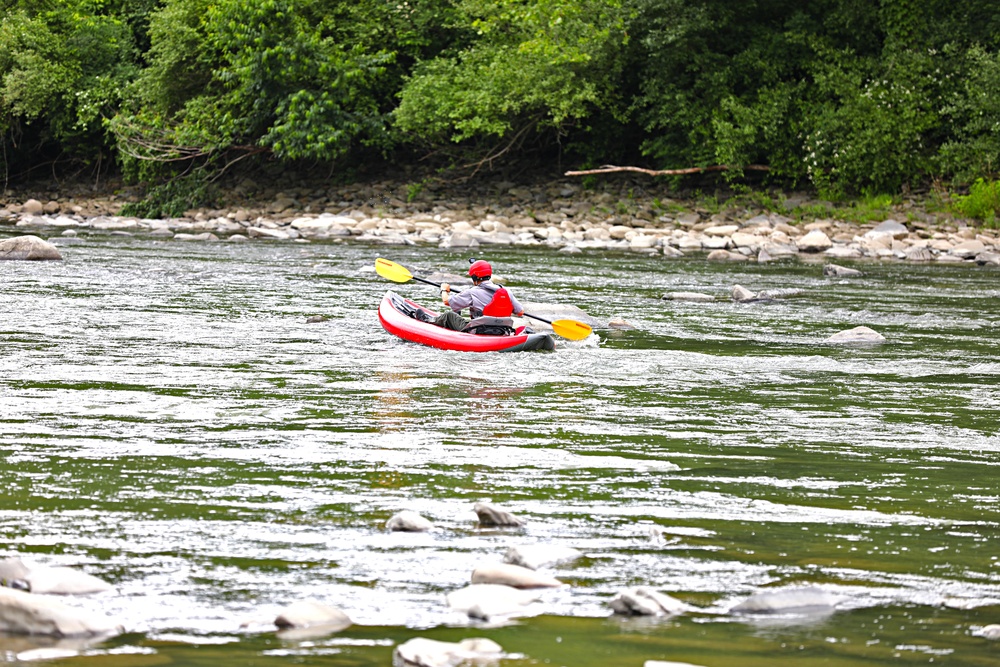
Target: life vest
{"points": [[499, 305]]}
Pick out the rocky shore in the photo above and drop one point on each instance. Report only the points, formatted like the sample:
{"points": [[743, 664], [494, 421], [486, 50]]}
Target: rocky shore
{"points": [[559, 214]]}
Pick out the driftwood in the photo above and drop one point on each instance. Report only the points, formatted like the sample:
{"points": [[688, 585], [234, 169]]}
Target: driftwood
{"points": [[610, 169]]}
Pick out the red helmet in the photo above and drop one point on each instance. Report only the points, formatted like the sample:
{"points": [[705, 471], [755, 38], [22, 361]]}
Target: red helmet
{"points": [[480, 269]]}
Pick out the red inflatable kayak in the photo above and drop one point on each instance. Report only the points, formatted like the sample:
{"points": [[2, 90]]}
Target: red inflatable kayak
{"points": [[399, 316]]}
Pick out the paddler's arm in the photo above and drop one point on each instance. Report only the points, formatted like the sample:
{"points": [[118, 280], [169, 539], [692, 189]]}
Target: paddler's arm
{"points": [[445, 293]]}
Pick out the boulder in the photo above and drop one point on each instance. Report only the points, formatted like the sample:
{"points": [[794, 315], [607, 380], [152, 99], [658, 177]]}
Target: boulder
{"points": [[726, 256], [486, 601], [28, 614], [409, 522], [422, 652], [33, 207], [491, 515], [64, 581], [836, 271], [645, 601], [814, 241], [991, 632], [743, 295], [11, 570], [988, 259], [856, 335], [918, 254], [312, 614], [535, 556], [800, 600], [968, 249], [515, 576], [893, 228], [28, 248]]}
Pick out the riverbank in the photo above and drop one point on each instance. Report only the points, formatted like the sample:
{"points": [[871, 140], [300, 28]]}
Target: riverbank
{"points": [[621, 213]]}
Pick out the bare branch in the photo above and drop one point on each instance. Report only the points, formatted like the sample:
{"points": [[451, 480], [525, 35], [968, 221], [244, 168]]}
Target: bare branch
{"points": [[610, 168]]}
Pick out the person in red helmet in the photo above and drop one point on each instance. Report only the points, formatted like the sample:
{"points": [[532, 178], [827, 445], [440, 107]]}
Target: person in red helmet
{"points": [[485, 299]]}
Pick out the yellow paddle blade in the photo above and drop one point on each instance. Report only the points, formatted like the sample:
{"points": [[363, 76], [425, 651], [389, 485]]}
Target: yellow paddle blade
{"points": [[572, 329], [397, 273]]}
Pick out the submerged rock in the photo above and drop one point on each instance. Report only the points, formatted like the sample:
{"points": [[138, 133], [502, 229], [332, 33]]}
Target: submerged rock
{"points": [[535, 556], [837, 271], [513, 575], [645, 601], [801, 600], [29, 614], [486, 601], [409, 522], [422, 652], [688, 296], [491, 515], [314, 615], [991, 632], [49, 580], [856, 335]]}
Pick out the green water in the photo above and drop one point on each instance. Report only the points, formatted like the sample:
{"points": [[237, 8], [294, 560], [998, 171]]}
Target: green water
{"points": [[172, 424]]}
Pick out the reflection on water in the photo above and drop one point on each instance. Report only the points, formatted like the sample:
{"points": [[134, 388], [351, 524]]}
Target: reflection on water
{"points": [[173, 424]]}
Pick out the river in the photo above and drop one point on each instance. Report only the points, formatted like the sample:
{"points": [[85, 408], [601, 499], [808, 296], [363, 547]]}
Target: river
{"points": [[172, 424]]}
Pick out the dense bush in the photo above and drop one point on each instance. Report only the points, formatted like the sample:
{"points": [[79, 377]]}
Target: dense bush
{"points": [[843, 95]]}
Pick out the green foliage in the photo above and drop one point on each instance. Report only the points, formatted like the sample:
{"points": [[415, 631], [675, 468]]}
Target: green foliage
{"points": [[551, 62], [843, 95], [238, 77], [973, 147], [982, 202], [62, 69], [173, 197]]}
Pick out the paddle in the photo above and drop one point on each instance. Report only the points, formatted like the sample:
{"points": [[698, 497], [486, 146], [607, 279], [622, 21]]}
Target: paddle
{"points": [[397, 273]]}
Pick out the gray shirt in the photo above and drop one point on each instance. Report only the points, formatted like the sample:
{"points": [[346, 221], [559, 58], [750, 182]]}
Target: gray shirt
{"points": [[479, 297]]}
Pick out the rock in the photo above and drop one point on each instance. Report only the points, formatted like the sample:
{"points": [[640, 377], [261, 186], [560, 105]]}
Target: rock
{"points": [[726, 256], [30, 614], [409, 522], [918, 254], [515, 576], [720, 230], [806, 599], [312, 614], [28, 248], [314, 319], [670, 251], [33, 207], [837, 271], [535, 556], [422, 652], [11, 570], [891, 227], [491, 515], [814, 241], [64, 581], [856, 335], [487, 601], [844, 252], [991, 632], [688, 296], [620, 324], [967, 249], [742, 294], [988, 259], [644, 601]]}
